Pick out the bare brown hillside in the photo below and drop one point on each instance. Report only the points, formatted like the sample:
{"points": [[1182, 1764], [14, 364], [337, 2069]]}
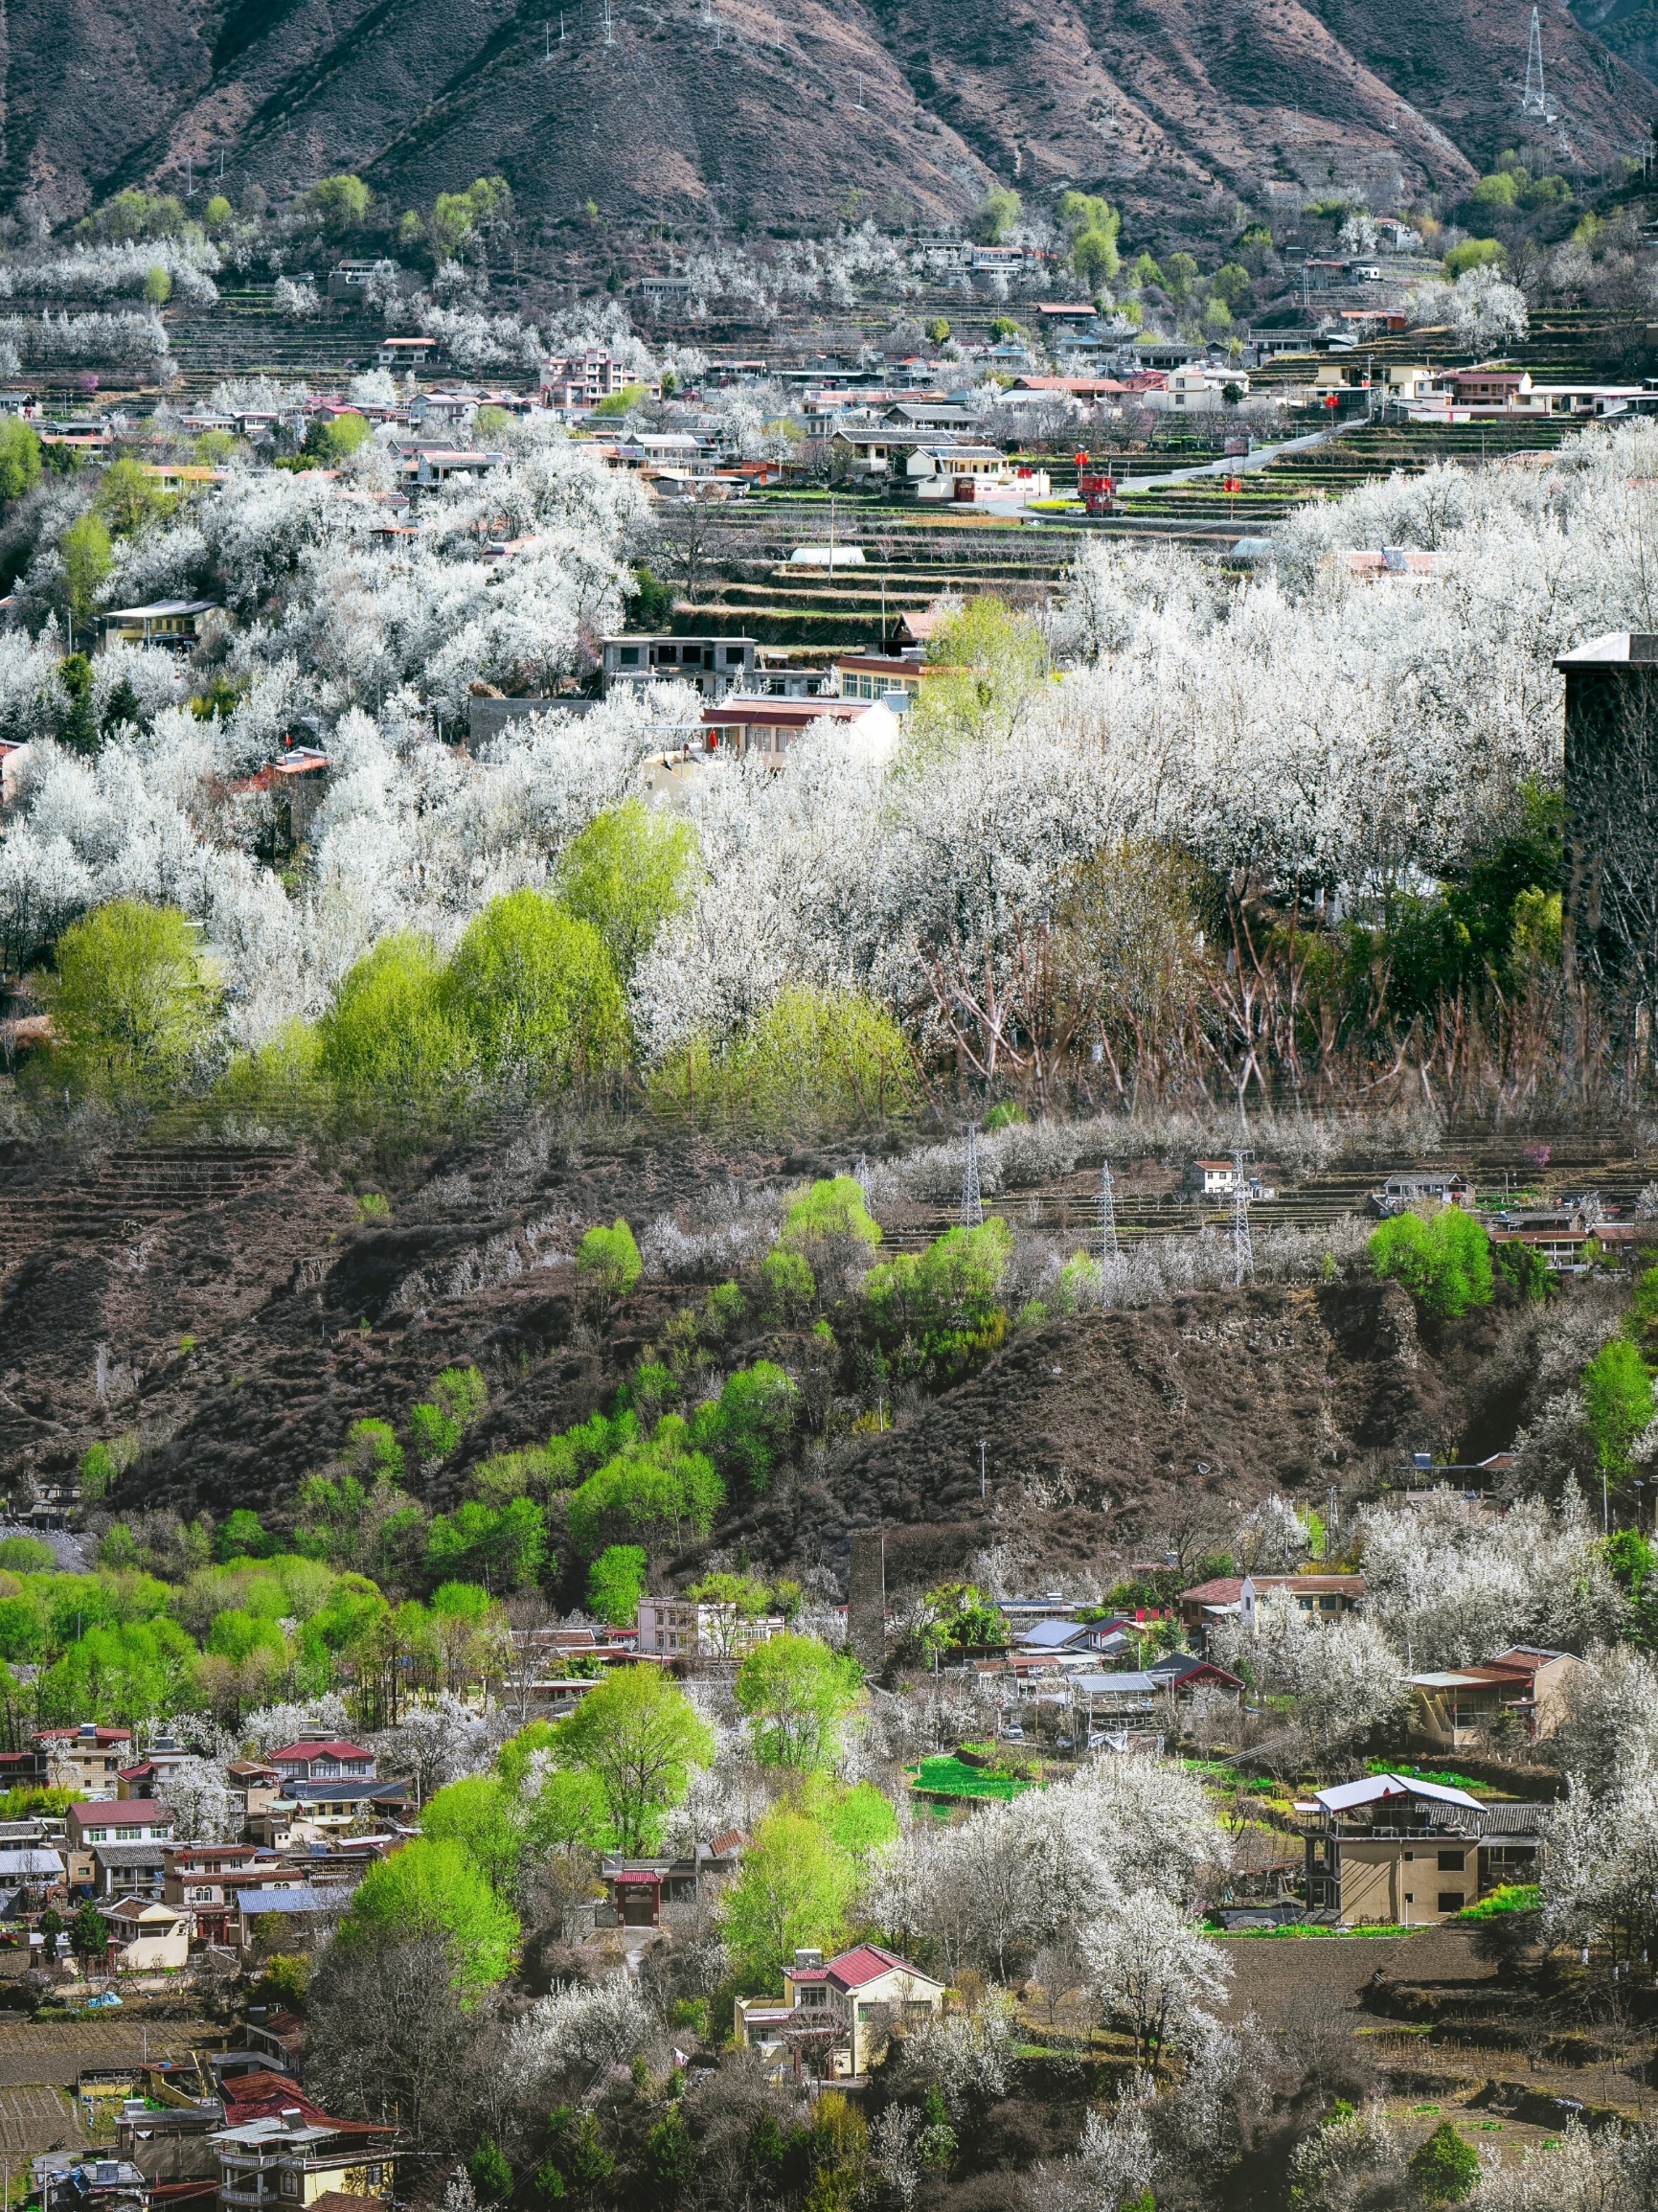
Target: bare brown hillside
{"points": [[761, 118], [237, 1310]]}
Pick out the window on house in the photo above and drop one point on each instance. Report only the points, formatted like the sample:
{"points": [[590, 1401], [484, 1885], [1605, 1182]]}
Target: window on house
{"points": [[1450, 1900], [291, 2184], [1451, 1861]]}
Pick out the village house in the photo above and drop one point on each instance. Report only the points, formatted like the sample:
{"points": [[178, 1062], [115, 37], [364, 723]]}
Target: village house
{"points": [[771, 727], [581, 380], [407, 355], [1524, 1687], [145, 1779], [147, 1936], [69, 2181], [640, 1887], [316, 1756], [198, 1880], [254, 1787], [1391, 1850], [298, 2156], [714, 665], [692, 1629], [835, 2020], [1409, 1187], [317, 1811], [172, 623], [1197, 387], [1238, 1596], [299, 1907], [88, 1759], [879, 676], [110, 1824]]}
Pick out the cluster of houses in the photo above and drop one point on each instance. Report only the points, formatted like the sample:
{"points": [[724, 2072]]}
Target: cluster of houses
{"points": [[312, 1818]]}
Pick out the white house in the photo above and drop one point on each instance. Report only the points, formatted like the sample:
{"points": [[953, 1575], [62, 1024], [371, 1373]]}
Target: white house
{"points": [[688, 1628], [147, 1936]]}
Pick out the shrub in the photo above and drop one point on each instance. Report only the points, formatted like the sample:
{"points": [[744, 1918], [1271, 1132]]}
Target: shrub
{"points": [[609, 1262], [1472, 254], [1443, 1262], [937, 1310], [834, 1208], [537, 992], [133, 1010], [390, 1042], [812, 1061], [1446, 2168]]}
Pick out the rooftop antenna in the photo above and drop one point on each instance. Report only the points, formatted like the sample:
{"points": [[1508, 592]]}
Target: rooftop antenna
{"points": [[972, 1204], [1242, 1248], [1108, 1245], [1535, 101]]}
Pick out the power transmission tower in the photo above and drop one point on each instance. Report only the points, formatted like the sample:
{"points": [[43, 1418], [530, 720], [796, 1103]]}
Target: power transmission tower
{"points": [[1108, 1246], [972, 1204], [608, 40], [862, 1177], [1242, 1248], [1535, 101]]}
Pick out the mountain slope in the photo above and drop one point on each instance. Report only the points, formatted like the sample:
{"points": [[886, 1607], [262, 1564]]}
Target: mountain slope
{"points": [[759, 118]]}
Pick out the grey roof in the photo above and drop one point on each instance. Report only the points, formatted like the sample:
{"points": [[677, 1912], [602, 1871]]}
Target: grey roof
{"points": [[1124, 1685], [130, 1853], [346, 1789], [300, 1899], [1517, 1819], [1055, 1635], [31, 1866]]}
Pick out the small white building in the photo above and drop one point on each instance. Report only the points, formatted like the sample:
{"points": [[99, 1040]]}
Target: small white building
{"points": [[692, 1628], [146, 1936], [835, 2021], [1200, 386]]}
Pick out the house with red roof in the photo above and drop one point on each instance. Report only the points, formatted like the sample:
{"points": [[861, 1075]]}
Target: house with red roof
{"points": [[835, 2020], [322, 1758]]}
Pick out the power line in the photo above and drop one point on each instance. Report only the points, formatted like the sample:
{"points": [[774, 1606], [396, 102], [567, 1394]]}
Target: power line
{"points": [[972, 1204]]}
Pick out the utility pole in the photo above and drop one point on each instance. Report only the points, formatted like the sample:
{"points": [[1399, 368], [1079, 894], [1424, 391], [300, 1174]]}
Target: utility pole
{"points": [[1242, 1247], [1108, 1246], [981, 1490], [861, 1176], [609, 41], [972, 1204]]}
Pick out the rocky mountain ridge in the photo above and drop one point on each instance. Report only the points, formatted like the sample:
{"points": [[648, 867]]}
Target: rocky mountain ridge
{"points": [[737, 115]]}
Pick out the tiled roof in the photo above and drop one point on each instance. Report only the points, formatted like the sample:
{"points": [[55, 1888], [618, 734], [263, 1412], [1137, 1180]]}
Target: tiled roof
{"points": [[867, 1963], [321, 1751]]}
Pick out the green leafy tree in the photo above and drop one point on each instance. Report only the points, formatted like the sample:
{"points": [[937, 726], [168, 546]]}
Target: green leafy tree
{"points": [[503, 1550], [483, 1818], [939, 330], [157, 285], [827, 1211], [1443, 1262], [241, 1536], [458, 216], [89, 1932], [1230, 285], [133, 1009], [626, 874], [1472, 254], [992, 661], [458, 1398], [537, 991], [1617, 1401], [860, 1819], [87, 560], [664, 1487], [390, 1042], [491, 2171], [1092, 226], [812, 1060], [19, 458], [1179, 275], [789, 1285], [997, 215], [938, 1309], [616, 1583], [796, 1696], [130, 501], [607, 1260], [1446, 2168], [330, 441], [793, 1893], [640, 1735], [961, 1617], [339, 203], [746, 1428], [435, 1889], [26, 1555], [670, 2155]]}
